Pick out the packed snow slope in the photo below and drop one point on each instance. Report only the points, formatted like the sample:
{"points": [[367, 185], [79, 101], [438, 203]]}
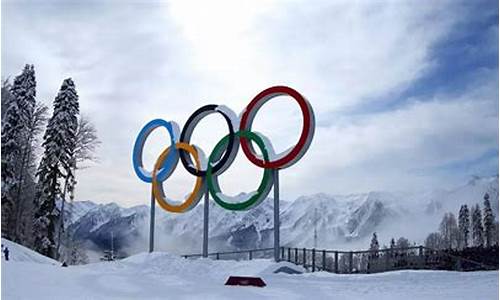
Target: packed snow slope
{"points": [[165, 276], [18, 253]]}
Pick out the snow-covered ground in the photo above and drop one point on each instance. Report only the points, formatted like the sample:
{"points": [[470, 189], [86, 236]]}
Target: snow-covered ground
{"points": [[165, 276]]}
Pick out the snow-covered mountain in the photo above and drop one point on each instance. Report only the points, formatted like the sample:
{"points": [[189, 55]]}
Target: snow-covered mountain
{"points": [[340, 221]]}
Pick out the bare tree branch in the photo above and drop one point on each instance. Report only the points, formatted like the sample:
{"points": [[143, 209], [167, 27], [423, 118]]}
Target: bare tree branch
{"points": [[86, 141]]}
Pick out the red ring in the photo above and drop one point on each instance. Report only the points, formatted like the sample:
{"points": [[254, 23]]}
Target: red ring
{"points": [[307, 115]]}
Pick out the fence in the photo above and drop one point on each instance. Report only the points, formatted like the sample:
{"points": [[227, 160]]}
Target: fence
{"points": [[374, 261], [367, 261], [237, 255]]}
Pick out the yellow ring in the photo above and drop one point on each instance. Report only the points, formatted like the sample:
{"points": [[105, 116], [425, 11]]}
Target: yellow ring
{"points": [[158, 188]]}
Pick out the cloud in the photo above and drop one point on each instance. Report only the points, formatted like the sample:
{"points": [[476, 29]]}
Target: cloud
{"points": [[135, 62]]}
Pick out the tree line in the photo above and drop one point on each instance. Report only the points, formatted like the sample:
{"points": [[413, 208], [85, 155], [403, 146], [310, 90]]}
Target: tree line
{"points": [[39, 171], [475, 228]]}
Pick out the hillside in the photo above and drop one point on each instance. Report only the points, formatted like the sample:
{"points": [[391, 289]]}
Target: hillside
{"points": [[18, 253], [341, 221]]}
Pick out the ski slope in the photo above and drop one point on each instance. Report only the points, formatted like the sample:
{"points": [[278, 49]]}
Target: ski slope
{"points": [[18, 253], [164, 276]]}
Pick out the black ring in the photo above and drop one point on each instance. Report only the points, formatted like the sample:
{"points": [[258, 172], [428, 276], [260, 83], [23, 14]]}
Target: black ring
{"points": [[187, 131]]}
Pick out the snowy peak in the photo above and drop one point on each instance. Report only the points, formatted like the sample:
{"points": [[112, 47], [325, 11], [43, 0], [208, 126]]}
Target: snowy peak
{"points": [[471, 194], [319, 220]]}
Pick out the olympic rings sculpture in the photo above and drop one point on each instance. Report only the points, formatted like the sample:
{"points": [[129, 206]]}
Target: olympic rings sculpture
{"points": [[223, 154]]}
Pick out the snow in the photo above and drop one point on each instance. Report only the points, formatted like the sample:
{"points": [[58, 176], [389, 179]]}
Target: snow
{"points": [[18, 253], [166, 276], [238, 198]]}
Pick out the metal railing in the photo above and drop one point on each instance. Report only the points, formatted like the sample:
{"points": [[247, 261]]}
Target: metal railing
{"points": [[237, 255], [365, 261], [374, 261]]}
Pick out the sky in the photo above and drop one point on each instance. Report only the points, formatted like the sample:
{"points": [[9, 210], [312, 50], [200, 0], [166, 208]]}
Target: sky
{"points": [[405, 93]]}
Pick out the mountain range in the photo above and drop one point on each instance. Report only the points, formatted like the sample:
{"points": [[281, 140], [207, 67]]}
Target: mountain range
{"points": [[319, 220]]}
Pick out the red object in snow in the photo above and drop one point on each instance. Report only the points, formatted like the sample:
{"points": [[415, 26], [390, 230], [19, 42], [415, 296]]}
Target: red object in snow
{"points": [[245, 281]]}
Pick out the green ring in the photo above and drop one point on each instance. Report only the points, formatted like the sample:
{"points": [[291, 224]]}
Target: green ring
{"points": [[213, 186]]}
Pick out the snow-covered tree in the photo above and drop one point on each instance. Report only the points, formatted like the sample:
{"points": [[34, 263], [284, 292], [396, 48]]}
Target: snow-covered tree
{"points": [[449, 231], [6, 97], [374, 245], [489, 221], [463, 226], [24, 206], [10, 152], [477, 227], [393, 243], [16, 146], [56, 163]]}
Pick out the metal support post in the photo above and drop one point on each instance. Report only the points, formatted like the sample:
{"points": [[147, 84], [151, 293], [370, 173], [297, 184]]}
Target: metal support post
{"points": [[152, 224], [276, 189], [205, 224]]}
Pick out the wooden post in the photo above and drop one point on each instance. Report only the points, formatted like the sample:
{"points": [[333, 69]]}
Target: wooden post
{"points": [[296, 255], [304, 257], [336, 261], [313, 259], [421, 257], [388, 256], [350, 262], [282, 253], [289, 255], [217, 256], [324, 260], [250, 255]]}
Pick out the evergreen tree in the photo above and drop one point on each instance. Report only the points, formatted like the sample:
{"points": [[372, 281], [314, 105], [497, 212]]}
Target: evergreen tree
{"points": [[77, 255], [463, 226], [16, 145], [56, 163], [24, 206], [6, 97], [10, 151], [374, 245], [477, 227], [393, 243], [489, 221]]}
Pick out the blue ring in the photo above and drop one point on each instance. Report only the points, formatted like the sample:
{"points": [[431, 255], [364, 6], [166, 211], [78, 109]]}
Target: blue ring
{"points": [[171, 160]]}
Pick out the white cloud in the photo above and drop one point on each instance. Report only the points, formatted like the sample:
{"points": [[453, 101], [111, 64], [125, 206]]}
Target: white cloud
{"points": [[135, 62]]}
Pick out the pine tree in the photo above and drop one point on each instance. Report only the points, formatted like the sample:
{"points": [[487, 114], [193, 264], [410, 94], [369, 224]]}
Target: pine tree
{"points": [[477, 227], [393, 243], [464, 226], [16, 146], [56, 163], [374, 245], [25, 207], [10, 152], [24, 90], [489, 221]]}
